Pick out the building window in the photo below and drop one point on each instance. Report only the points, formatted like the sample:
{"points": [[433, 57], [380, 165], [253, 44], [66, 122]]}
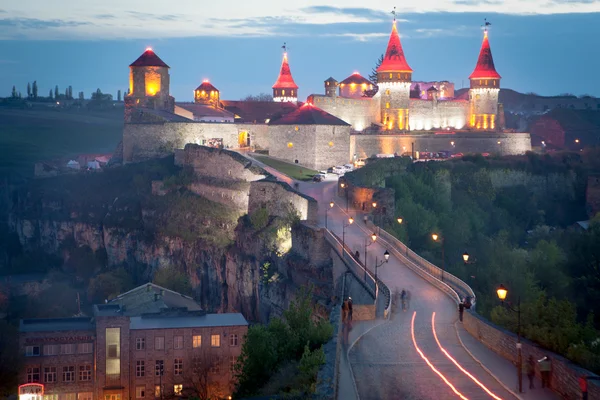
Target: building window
{"points": [[32, 351], [140, 368], [290, 145], [387, 92], [33, 374], [112, 396], [113, 356], [387, 105], [159, 368], [159, 343], [157, 391], [50, 397], [391, 75], [215, 340], [69, 374], [140, 392], [232, 363], [233, 339], [85, 396], [215, 368], [70, 396], [50, 349], [66, 349], [196, 341], [85, 372], [177, 389], [49, 374], [178, 366], [296, 128], [85, 348], [140, 343], [178, 342]]}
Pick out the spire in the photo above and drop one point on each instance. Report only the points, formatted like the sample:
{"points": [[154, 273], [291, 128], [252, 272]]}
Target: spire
{"points": [[394, 59], [485, 63], [149, 59], [285, 80]]}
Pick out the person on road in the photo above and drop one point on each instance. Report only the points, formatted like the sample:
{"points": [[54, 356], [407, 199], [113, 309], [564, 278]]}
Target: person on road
{"points": [[350, 310], [403, 299], [461, 310], [345, 311], [530, 369], [545, 368]]}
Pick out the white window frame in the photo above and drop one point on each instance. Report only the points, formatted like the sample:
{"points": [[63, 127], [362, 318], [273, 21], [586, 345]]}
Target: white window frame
{"points": [[85, 396], [178, 366], [66, 348], [197, 341], [215, 340], [31, 374], [50, 373], [50, 349], [177, 342], [140, 392], [140, 343], [159, 343], [30, 351], [67, 372], [85, 348], [233, 339], [140, 369], [85, 372]]}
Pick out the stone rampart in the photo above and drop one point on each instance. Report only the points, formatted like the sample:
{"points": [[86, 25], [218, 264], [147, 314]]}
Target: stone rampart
{"points": [[236, 197], [360, 113], [142, 141], [564, 376], [218, 163], [432, 114], [277, 197], [309, 243], [364, 146]]}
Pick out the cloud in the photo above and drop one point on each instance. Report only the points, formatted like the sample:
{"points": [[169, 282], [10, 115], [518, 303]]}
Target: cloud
{"points": [[2, 11], [142, 16], [367, 13], [477, 2], [361, 37], [575, 1], [105, 16], [33, 23]]}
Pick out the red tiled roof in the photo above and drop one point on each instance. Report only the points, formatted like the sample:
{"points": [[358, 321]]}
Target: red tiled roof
{"points": [[149, 59], [207, 87], [485, 63], [309, 115], [258, 111], [394, 59], [356, 78], [285, 80]]}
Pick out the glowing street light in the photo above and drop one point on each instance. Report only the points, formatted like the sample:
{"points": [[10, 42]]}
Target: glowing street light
{"points": [[374, 236], [465, 257], [400, 220], [331, 204], [502, 292], [344, 226], [378, 264], [435, 238]]}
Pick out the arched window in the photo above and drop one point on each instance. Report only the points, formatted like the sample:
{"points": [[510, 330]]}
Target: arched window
{"points": [[387, 105]]}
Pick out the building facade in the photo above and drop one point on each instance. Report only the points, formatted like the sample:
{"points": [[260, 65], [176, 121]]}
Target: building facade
{"points": [[148, 343]]}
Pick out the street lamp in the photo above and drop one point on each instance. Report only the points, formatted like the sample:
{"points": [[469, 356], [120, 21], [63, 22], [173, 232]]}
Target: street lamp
{"points": [[386, 256], [331, 204], [502, 292], [399, 220], [343, 186], [435, 238], [344, 226], [466, 257], [367, 244]]}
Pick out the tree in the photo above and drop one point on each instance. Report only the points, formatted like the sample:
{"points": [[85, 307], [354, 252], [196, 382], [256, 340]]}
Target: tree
{"points": [[373, 74], [56, 92], [14, 93], [28, 90], [173, 279], [416, 92], [258, 97], [35, 90], [108, 285], [50, 94], [66, 93], [70, 95], [9, 359], [202, 377], [81, 96], [119, 95]]}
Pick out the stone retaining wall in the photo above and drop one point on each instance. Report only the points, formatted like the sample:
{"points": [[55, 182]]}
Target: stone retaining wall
{"points": [[278, 197], [565, 374]]}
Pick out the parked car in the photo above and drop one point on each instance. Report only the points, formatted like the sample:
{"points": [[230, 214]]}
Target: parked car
{"points": [[339, 170], [349, 167], [319, 178]]}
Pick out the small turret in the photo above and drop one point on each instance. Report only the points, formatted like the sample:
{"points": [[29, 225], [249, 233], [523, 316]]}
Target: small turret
{"points": [[331, 87], [285, 89], [355, 86], [207, 94]]}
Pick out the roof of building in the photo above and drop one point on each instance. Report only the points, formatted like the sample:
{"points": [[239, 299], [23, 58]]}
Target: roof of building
{"points": [[357, 79], [191, 321], [258, 111], [151, 298], [309, 115], [394, 59], [161, 115], [485, 63], [285, 80], [205, 110], [330, 79], [207, 87], [149, 59], [56, 324]]}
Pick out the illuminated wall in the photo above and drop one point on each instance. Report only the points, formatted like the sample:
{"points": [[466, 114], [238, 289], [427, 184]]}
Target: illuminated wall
{"points": [[354, 90], [395, 105], [285, 95], [434, 114], [113, 356], [358, 112], [152, 82], [483, 108], [207, 97]]}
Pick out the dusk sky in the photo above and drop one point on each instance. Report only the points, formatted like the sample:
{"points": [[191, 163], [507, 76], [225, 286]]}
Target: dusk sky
{"points": [[542, 46]]}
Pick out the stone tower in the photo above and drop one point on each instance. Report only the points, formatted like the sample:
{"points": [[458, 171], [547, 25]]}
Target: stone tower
{"points": [[393, 78], [148, 85], [331, 87], [285, 89], [485, 87], [207, 94]]}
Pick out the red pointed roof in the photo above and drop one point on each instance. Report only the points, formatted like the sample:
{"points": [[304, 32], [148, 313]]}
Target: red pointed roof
{"points": [[149, 59], [356, 78], [394, 59], [285, 80], [206, 86], [485, 63]]}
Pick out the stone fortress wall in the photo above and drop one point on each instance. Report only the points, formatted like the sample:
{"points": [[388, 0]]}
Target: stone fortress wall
{"points": [[360, 113], [432, 114], [278, 198]]}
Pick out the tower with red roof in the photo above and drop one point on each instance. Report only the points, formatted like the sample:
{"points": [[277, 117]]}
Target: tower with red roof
{"points": [[207, 94], [148, 85], [394, 77], [485, 88], [285, 89]]}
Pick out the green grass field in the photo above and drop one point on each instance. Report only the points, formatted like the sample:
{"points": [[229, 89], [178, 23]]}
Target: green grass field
{"points": [[294, 171], [31, 135]]}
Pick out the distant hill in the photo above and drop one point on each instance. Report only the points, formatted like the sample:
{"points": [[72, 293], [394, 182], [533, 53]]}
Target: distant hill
{"points": [[35, 134]]}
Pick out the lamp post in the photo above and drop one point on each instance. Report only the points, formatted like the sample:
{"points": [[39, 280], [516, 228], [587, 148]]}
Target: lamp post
{"points": [[466, 258], [400, 221], [374, 211], [386, 256], [344, 226], [344, 186], [502, 292], [435, 238], [367, 244], [331, 204]]}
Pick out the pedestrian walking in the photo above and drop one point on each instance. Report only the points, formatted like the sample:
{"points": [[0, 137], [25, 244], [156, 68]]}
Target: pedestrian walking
{"points": [[350, 309], [530, 369], [545, 366], [461, 310], [345, 311], [365, 218]]}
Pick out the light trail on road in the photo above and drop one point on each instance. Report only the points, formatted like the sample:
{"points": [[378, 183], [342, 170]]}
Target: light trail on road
{"points": [[412, 332], [456, 363]]}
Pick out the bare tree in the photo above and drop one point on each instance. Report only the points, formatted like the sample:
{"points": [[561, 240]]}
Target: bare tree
{"points": [[258, 97]]}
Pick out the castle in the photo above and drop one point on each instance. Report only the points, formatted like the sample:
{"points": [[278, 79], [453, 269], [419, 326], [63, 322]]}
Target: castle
{"points": [[355, 118]]}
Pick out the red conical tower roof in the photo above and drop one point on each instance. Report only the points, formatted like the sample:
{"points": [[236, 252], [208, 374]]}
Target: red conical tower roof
{"points": [[149, 59], [285, 80], [394, 59], [485, 63]]}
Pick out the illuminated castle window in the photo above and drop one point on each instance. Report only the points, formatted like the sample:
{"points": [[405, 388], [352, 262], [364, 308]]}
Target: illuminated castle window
{"points": [[283, 92], [152, 79], [477, 96], [290, 145], [330, 144], [486, 82], [391, 75], [296, 128], [387, 105], [387, 92]]}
